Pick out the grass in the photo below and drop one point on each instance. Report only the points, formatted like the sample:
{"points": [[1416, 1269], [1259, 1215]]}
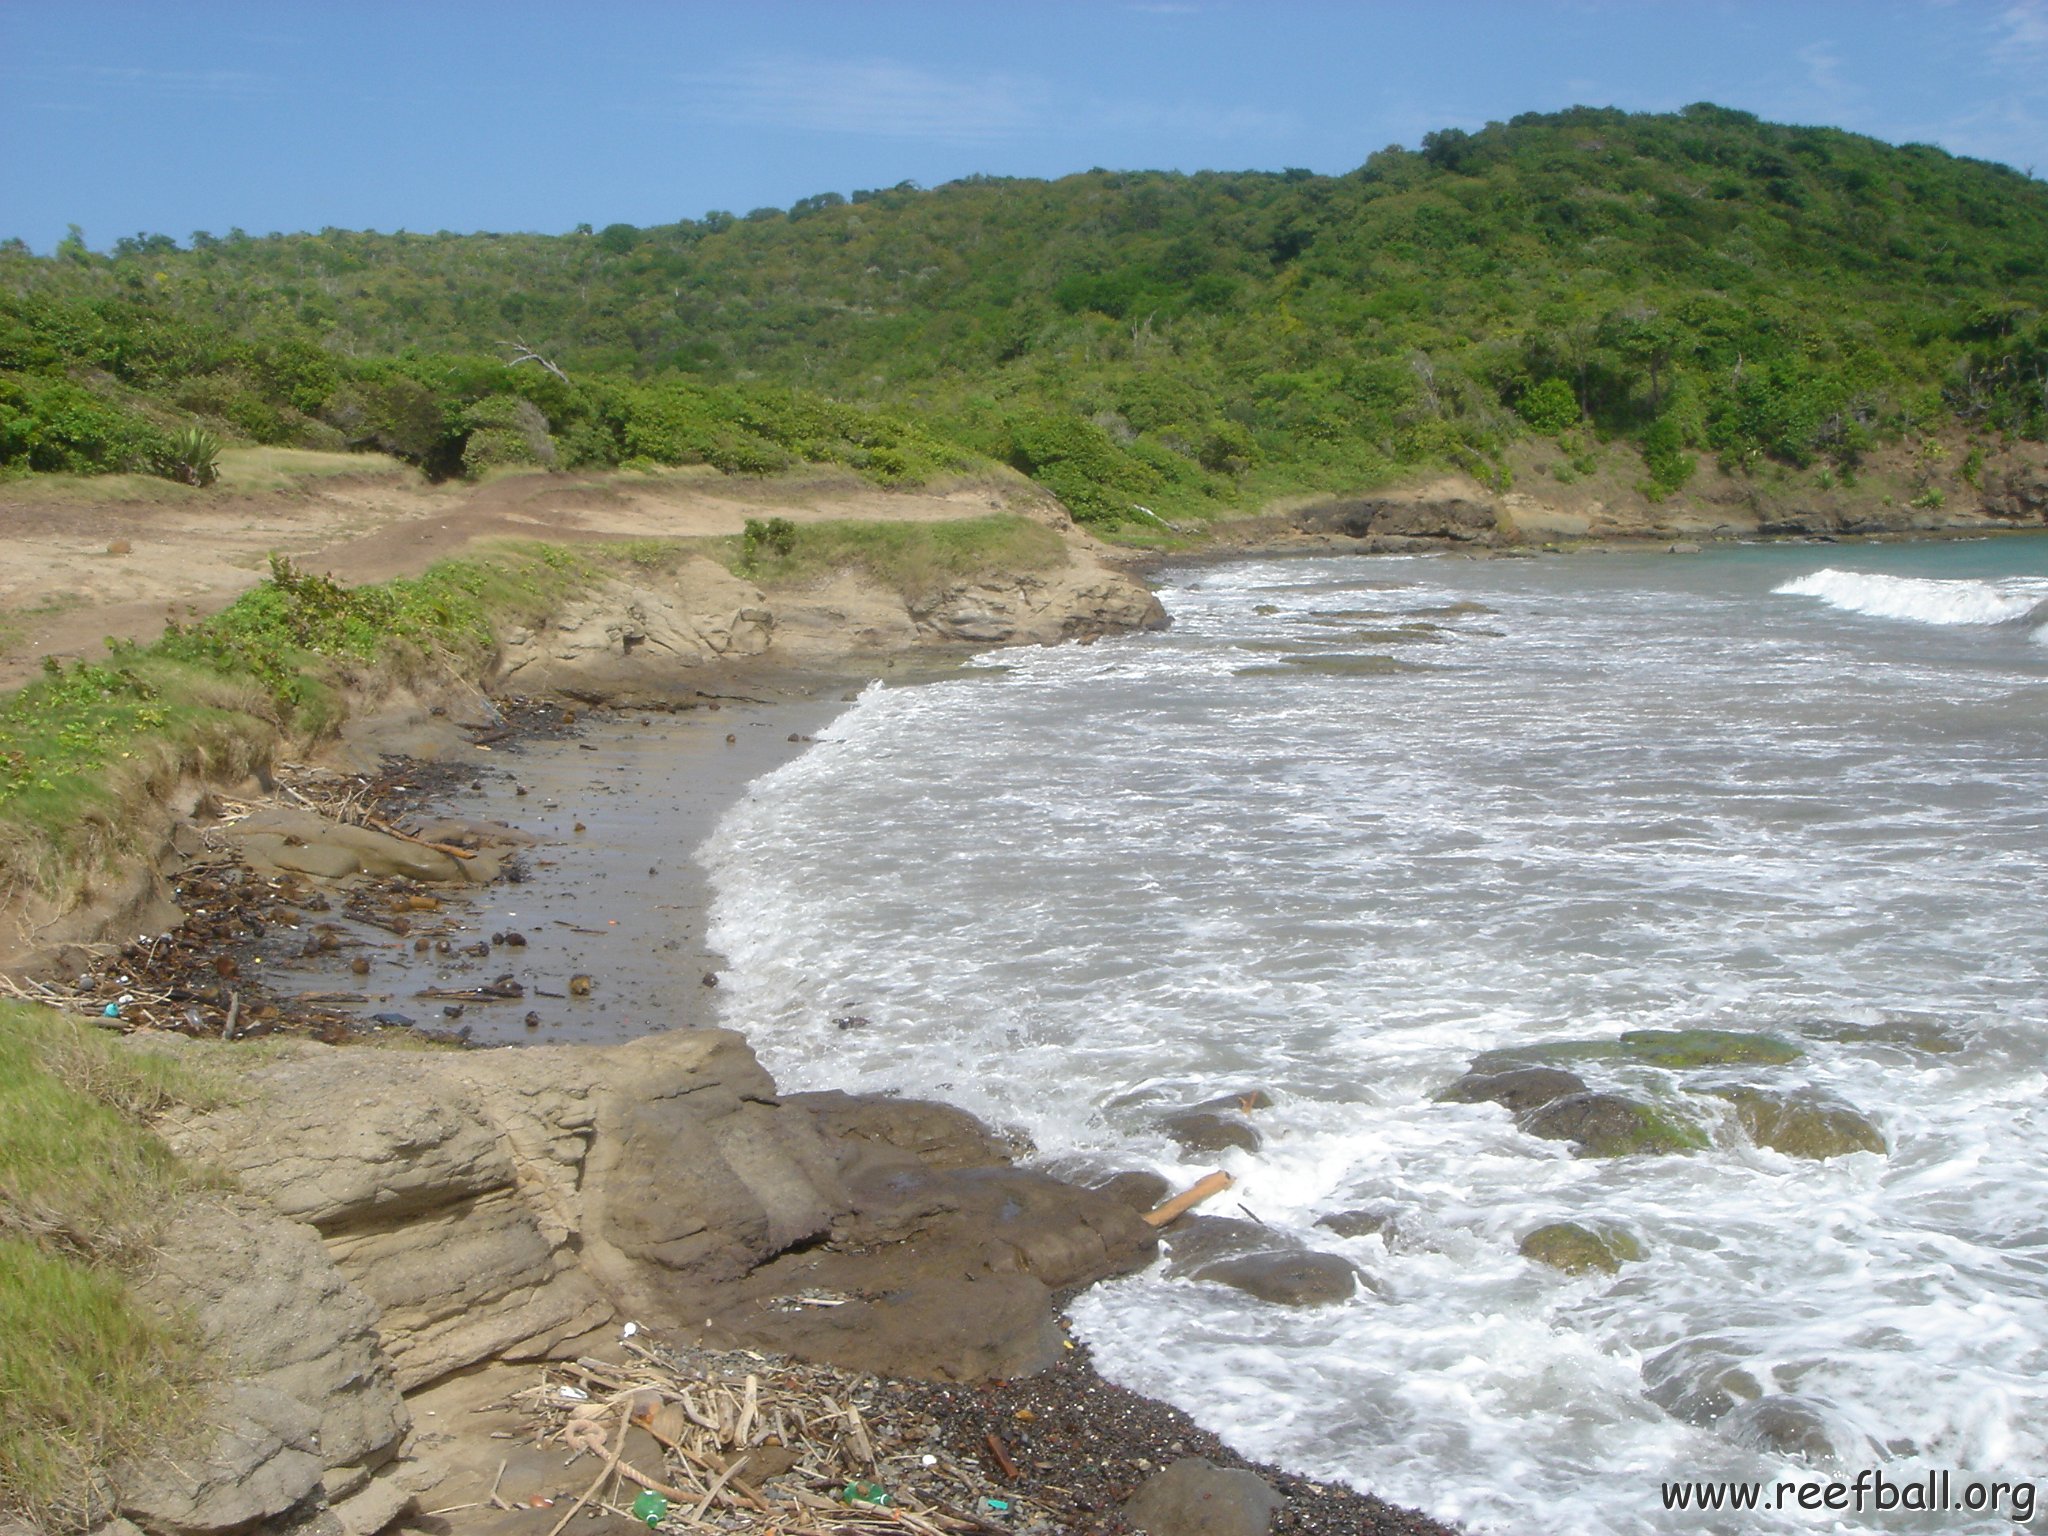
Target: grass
{"points": [[243, 471], [911, 559], [248, 471], [87, 751], [87, 1374]]}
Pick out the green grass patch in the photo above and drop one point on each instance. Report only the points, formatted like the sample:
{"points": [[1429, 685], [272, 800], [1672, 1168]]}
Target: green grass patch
{"points": [[249, 471], [85, 749], [912, 559], [86, 1373]]}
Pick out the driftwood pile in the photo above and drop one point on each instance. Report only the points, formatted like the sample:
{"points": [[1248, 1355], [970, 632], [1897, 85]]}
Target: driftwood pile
{"points": [[760, 1443]]}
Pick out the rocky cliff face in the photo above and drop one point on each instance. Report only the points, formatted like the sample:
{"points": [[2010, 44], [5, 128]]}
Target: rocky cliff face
{"points": [[655, 637], [402, 1216]]}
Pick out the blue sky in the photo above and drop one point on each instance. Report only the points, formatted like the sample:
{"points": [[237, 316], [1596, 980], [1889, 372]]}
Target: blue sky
{"points": [[434, 114]]}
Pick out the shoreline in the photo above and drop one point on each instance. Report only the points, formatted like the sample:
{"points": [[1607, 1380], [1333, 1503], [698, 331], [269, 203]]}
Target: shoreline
{"points": [[762, 721], [1129, 1436]]}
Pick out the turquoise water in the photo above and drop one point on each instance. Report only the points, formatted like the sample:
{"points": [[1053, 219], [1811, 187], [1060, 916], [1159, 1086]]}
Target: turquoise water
{"points": [[1352, 821]]}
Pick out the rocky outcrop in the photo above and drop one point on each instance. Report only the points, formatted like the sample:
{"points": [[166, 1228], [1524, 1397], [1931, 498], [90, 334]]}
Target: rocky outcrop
{"points": [[1451, 510], [308, 1416], [496, 1204], [653, 637], [405, 1215], [634, 636], [1079, 602], [2017, 492]]}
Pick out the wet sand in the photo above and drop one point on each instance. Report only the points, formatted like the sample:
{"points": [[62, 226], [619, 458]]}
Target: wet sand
{"points": [[622, 901]]}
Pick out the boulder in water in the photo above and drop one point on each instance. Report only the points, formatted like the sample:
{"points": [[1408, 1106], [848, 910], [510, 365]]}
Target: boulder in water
{"points": [[1194, 1242], [1576, 1249], [1678, 1050], [1290, 1279], [1209, 1130], [1518, 1089], [1700, 1380], [1789, 1425], [1804, 1123], [1610, 1125], [1383, 1221]]}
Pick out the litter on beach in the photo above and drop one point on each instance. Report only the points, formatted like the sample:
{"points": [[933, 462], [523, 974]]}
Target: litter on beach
{"points": [[753, 1442]]}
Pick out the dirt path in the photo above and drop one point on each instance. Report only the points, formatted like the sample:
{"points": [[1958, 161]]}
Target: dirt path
{"points": [[78, 565]]}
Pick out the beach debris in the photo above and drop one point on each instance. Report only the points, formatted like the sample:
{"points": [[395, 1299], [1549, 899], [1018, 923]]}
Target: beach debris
{"points": [[650, 1508], [1202, 1189], [710, 978], [753, 1441], [579, 985]]}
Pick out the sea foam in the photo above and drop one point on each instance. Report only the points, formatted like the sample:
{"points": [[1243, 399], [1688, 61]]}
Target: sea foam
{"points": [[1923, 600]]}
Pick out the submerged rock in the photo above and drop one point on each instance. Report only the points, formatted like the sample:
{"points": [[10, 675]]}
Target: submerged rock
{"points": [[1575, 1249], [1789, 1425], [1804, 1123], [1194, 1497], [1925, 1035], [1518, 1089], [1610, 1125], [1137, 1188], [1678, 1050], [1196, 1241], [1386, 1222], [1257, 1260], [1289, 1279], [1700, 1380], [1208, 1130]]}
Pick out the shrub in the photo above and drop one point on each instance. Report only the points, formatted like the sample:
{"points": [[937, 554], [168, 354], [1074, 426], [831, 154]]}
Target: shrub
{"points": [[1550, 407], [53, 424], [191, 457], [760, 541], [505, 430]]}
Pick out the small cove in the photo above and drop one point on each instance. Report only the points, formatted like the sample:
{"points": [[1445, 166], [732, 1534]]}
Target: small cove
{"points": [[1640, 793]]}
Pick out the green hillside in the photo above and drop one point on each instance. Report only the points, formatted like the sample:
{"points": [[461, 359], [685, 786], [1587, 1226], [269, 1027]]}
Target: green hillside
{"points": [[1698, 283]]}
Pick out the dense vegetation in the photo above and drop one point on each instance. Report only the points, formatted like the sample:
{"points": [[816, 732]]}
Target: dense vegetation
{"points": [[1694, 283]]}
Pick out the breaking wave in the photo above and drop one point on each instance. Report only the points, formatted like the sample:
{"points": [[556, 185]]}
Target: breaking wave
{"points": [[1925, 600]]}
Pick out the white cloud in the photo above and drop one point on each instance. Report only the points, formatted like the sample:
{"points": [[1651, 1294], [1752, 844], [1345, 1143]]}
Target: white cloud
{"points": [[97, 79], [2022, 29], [1824, 68]]}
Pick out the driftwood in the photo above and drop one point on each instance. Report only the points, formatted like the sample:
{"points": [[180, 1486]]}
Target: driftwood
{"points": [[1202, 1189], [381, 825]]}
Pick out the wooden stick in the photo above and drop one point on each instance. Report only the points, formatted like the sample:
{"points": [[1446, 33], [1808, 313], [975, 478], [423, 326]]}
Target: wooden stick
{"points": [[746, 1490], [618, 1450], [1002, 1456], [1189, 1198], [712, 1492], [381, 825]]}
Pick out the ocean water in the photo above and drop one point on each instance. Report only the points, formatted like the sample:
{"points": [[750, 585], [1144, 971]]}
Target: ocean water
{"points": [[1353, 820]]}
